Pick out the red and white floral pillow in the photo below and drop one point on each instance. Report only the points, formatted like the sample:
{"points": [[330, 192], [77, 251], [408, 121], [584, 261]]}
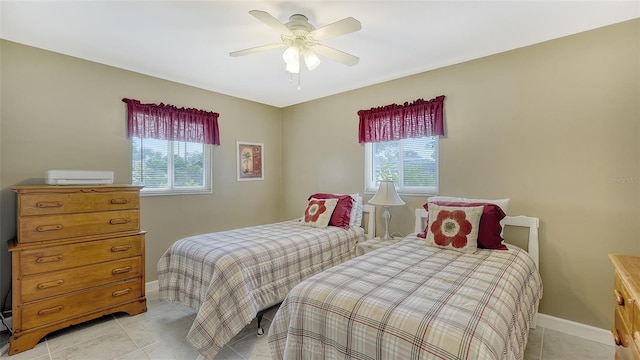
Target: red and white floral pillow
{"points": [[318, 212], [454, 228], [342, 212]]}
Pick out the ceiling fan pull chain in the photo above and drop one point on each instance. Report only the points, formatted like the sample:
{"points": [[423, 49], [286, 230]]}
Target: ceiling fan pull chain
{"points": [[299, 81]]}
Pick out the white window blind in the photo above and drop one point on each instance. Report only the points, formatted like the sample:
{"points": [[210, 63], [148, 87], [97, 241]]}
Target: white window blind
{"points": [[170, 167], [411, 163]]}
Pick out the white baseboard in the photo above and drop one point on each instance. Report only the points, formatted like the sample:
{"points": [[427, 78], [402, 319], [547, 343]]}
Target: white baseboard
{"points": [[587, 332], [151, 286]]}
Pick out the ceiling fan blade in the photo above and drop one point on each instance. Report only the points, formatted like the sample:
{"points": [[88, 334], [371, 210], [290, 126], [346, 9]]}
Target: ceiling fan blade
{"points": [[340, 27], [337, 55], [272, 22], [257, 49]]}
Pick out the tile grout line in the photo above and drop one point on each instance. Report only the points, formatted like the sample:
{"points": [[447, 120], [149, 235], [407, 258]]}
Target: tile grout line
{"points": [[46, 343], [129, 336]]}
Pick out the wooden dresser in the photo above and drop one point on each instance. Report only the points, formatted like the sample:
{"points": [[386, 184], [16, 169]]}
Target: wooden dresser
{"points": [[626, 330], [78, 255]]}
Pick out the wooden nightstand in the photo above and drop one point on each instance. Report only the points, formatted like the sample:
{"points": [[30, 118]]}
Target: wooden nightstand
{"points": [[375, 243]]}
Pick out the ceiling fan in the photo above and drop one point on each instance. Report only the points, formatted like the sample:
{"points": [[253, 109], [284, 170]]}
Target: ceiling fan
{"points": [[302, 40]]}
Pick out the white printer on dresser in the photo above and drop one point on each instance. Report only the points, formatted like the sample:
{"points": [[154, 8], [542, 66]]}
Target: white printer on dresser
{"points": [[78, 177]]}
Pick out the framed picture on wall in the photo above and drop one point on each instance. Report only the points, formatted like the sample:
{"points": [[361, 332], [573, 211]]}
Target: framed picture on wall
{"points": [[250, 160]]}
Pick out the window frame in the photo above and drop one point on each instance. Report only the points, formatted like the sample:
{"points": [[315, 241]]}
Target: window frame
{"points": [[371, 183], [206, 188]]}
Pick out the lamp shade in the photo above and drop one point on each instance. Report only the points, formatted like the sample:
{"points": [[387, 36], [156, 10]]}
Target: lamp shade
{"points": [[386, 195]]}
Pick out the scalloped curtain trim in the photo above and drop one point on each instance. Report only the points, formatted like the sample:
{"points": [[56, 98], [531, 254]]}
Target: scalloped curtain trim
{"points": [[167, 122], [394, 122]]}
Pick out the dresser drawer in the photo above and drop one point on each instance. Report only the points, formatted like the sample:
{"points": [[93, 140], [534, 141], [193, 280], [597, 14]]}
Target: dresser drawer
{"points": [[622, 336], [63, 307], [55, 283], [635, 328], [624, 300], [55, 227], [60, 257], [78, 201]]}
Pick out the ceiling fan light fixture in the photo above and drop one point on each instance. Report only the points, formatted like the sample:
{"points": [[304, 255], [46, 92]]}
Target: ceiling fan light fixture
{"points": [[311, 59], [293, 67], [291, 57], [302, 40]]}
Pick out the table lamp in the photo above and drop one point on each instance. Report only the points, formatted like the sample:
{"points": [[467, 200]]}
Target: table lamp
{"points": [[386, 196]]}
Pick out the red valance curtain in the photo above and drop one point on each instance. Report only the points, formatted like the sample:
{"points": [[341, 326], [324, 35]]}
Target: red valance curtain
{"points": [[167, 122], [394, 122]]}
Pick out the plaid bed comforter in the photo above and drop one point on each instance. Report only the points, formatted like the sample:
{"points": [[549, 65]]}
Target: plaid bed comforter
{"points": [[410, 301], [227, 277]]}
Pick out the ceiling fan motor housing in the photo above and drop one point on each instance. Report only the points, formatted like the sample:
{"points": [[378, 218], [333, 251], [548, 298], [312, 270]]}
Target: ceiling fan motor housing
{"points": [[299, 25]]}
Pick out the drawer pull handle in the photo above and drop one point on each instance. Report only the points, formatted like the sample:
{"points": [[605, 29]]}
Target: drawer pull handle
{"points": [[616, 337], [119, 201], [120, 248], [50, 311], [43, 228], [119, 221], [50, 284], [619, 297], [121, 292], [121, 270], [46, 259], [49, 204]]}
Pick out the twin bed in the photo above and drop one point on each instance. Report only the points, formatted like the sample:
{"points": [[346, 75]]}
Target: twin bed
{"points": [[230, 277], [404, 301], [411, 301]]}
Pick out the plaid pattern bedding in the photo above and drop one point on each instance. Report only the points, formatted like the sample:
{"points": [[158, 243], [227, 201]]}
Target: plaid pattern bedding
{"points": [[410, 301], [227, 277]]}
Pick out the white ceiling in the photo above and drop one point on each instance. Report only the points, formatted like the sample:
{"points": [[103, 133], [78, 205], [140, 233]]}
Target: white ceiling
{"points": [[189, 41]]}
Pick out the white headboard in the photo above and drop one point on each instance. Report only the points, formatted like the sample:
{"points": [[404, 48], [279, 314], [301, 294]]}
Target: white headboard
{"points": [[370, 227], [533, 223]]}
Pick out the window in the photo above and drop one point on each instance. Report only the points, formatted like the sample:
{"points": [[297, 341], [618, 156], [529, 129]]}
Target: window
{"points": [[187, 170], [411, 163], [401, 144], [171, 147]]}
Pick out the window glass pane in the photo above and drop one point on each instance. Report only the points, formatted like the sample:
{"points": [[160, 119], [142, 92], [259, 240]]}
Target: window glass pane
{"points": [[386, 160], [411, 163], [188, 162], [419, 162], [150, 163], [186, 171]]}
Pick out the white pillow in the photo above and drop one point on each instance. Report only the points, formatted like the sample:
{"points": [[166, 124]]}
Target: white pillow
{"points": [[355, 218], [503, 203]]}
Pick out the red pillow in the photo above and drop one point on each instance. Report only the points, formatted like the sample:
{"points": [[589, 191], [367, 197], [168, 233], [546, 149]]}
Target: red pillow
{"points": [[489, 229], [342, 214]]}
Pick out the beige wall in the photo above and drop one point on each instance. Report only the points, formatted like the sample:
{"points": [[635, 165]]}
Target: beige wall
{"points": [[59, 112], [554, 127]]}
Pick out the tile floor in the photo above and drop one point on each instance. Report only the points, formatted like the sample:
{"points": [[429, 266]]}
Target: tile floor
{"points": [[159, 334]]}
